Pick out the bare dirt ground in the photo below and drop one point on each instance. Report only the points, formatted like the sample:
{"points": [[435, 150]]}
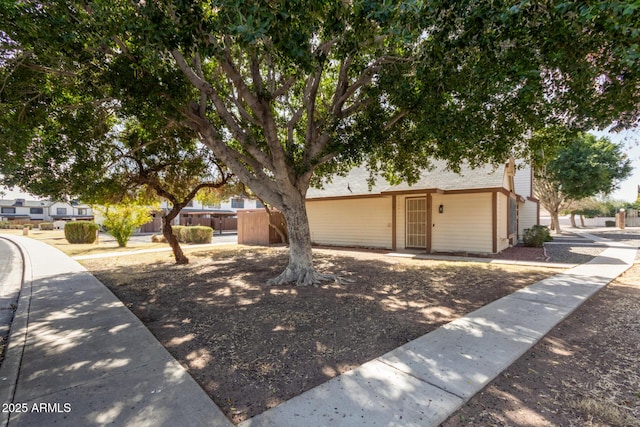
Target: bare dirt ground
{"points": [[252, 347], [585, 372]]}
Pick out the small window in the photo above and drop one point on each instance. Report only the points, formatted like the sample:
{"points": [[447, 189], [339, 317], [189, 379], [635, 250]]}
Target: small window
{"points": [[36, 211], [259, 204], [237, 203], [61, 211], [8, 210], [82, 211]]}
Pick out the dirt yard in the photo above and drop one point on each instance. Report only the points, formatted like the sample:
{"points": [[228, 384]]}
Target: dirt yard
{"points": [[585, 372], [252, 347]]}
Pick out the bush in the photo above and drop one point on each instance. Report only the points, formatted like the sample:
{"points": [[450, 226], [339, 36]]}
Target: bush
{"points": [[199, 234], [81, 231], [122, 220], [536, 236], [45, 226], [193, 234], [4, 224], [180, 232], [158, 238]]}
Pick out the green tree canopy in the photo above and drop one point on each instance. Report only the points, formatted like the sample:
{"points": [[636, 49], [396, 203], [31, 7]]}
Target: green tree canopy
{"points": [[287, 93], [577, 167]]}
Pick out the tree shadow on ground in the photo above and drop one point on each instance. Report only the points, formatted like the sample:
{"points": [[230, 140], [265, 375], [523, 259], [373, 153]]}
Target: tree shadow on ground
{"points": [[584, 372], [253, 347]]}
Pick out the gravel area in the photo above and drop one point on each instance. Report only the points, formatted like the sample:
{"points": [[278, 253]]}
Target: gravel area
{"points": [[572, 254], [574, 249], [630, 236]]}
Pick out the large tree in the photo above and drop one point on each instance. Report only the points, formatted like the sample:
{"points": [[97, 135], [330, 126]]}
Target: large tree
{"points": [[575, 168], [286, 93]]}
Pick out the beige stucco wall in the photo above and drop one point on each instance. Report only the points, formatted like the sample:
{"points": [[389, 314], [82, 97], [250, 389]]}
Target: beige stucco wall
{"points": [[465, 224], [351, 222]]}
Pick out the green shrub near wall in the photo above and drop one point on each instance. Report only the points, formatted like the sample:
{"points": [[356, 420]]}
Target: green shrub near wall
{"points": [[4, 224], [536, 236], [81, 231], [45, 226]]}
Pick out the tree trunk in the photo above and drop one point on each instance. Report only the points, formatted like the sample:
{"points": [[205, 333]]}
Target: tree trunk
{"points": [[555, 222], [278, 227], [300, 268], [167, 232], [573, 220], [582, 221]]}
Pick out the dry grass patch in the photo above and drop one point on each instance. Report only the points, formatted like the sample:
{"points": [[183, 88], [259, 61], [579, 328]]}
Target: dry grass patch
{"points": [[56, 238]]}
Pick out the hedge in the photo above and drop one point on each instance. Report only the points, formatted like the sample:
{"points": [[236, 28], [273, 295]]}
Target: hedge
{"points": [[193, 234], [45, 226], [81, 231], [199, 234]]}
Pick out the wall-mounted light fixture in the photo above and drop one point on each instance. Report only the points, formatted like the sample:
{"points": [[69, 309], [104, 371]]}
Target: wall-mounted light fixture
{"points": [[441, 208]]}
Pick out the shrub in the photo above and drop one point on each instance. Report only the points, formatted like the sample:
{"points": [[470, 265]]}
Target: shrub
{"points": [[81, 231], [28, 226], [4, 224], [199, 234], [180, 233], [193, 234], [158, 238], [45, 226], [122, 220], [536, 236]]}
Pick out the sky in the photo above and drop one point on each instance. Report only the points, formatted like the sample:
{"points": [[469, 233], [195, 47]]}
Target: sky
{"points": [[628, 189]]}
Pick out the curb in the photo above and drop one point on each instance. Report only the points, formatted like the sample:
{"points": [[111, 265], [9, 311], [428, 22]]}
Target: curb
{"points": [[10, 368]]}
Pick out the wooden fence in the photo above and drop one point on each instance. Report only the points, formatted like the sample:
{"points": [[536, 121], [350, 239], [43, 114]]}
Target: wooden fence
{"points": [[254, 229]]}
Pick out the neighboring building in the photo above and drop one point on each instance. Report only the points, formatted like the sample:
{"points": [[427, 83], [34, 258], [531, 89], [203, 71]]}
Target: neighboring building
{"points": [[21, 210], [221, 217], [482, 210]]}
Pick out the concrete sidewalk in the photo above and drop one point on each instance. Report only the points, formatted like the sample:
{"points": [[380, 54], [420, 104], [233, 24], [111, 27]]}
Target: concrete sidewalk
{"points": [[75, 347], [78, 357], [426, 380]]}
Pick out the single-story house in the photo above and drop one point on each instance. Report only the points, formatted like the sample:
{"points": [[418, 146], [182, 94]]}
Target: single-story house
{"points": [[483, 210]]}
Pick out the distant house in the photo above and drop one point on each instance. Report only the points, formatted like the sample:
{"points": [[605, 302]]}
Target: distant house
{"points": [[482, 210], [221, 217], [27, 211]]}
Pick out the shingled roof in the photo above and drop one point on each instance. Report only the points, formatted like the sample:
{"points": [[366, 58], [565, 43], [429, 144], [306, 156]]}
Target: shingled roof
{"points": [[439, 178]]}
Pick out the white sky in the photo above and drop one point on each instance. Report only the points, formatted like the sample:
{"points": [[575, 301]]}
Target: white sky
{"points": [[628, 189]]}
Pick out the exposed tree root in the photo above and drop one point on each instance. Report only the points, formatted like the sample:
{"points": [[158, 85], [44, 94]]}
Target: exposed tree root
{"points": [[306, 277]]}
